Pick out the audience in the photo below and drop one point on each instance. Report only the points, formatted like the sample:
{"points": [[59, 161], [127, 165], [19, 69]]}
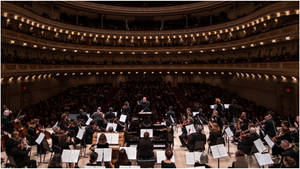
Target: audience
{"points": [[241, 161]]}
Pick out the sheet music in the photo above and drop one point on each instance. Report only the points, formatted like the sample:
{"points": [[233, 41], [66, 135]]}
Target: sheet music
{"points": [[80, 133], [200, 167], [172, 120], [70, 156], [263, 159], [125, 166], [218, 151], [228, 132], [131, 152], [190, 129], [212, 106], [189, 158], [160, 156], [73, 116], [74, 156], [107, 154], [123, 118], [226, 106], [195, 113], [269, 141], [40, 138], [55, 124], [197, 156], [222, 150], [114, 125], [99, 151], [114, 138], [88, 121], [94, 166], [150, 131], [115, 113], [259, 145]]}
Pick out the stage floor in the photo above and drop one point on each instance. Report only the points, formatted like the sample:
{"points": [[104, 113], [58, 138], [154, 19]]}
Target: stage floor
{"points": [[179, 153]]}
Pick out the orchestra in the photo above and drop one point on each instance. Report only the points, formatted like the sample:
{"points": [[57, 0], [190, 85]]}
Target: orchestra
{"points": [[64, 133]]}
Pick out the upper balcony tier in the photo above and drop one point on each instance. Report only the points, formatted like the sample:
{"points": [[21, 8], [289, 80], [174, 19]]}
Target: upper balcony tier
{"points": [[269, 12]]}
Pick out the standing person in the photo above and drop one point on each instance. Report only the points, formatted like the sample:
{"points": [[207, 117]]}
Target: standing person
{"points": [[145, 104], [170, 116], [219, 107], [269, 125], [20, 155]]}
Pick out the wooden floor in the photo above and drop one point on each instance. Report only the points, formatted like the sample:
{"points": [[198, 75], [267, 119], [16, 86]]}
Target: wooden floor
{"points": [[179, 153]]}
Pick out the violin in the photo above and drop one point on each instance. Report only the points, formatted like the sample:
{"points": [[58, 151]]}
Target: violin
{"points": [[19, 127]]}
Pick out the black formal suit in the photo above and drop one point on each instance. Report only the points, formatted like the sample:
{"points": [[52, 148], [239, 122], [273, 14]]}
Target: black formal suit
{"points": [[270, 128], [145, 149]]}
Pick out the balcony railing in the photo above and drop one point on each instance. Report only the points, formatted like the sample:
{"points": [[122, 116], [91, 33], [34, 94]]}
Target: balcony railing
{"points": [[279, 68]]}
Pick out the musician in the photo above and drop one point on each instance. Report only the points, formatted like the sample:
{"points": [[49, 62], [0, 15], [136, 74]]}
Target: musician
{"points": [[6, 122], [145, 148], [219, 107], [285, 134], [20, 155], [289, 162], [241, 161], [215, 118], [102, 142], [64, 123], [82, 116], [233, 110], [122, 159], [10, 143], [187, 120], [110, 116], [89, 131], [126, 109], [169, 114], [32, 133], [269, 125], [144, 104], [215, 135], [198, 136], [55, 162], [296, 123], [93, 159], [203, 161], [288, 150], [167, 163], [246, 141], [95, 114]]}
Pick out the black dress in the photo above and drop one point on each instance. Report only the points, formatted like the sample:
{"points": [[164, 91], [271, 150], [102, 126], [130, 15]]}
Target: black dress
{"points": [[106, 145], [167, 165]]}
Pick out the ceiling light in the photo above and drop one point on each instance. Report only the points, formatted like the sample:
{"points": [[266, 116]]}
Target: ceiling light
{"points": [[98, 51], [252, 45], [53, 49], [201, 51], [278, 14], [156, 53], [190, 51], [287, 38], [243, 46], [274, 41], [223, 49], [35, 46], [261, 43], [24, 44], [133, 53], [12, 42], [178, 52], [233, 48], [75, 51]]}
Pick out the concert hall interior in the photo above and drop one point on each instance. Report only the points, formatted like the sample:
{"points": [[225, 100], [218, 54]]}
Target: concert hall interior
{"points": [[149, 84]]}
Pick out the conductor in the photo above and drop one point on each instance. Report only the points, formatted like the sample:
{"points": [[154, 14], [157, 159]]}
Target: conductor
{"points": [[144, 104]]}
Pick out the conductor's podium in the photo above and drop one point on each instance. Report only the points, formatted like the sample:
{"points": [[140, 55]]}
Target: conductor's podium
{"points": [[115, 147]]}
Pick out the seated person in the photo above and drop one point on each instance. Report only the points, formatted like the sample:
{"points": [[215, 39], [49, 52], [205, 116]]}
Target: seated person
{"points": [[198, 136], [241, 161], [122, 159], [203, 161], [145, 147], [20, 155], [55, 161], [89, 131], [93, 159], [288, 150], [289, 162], [246, 141], [102, 143], [110, 116], [167, 163]]}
